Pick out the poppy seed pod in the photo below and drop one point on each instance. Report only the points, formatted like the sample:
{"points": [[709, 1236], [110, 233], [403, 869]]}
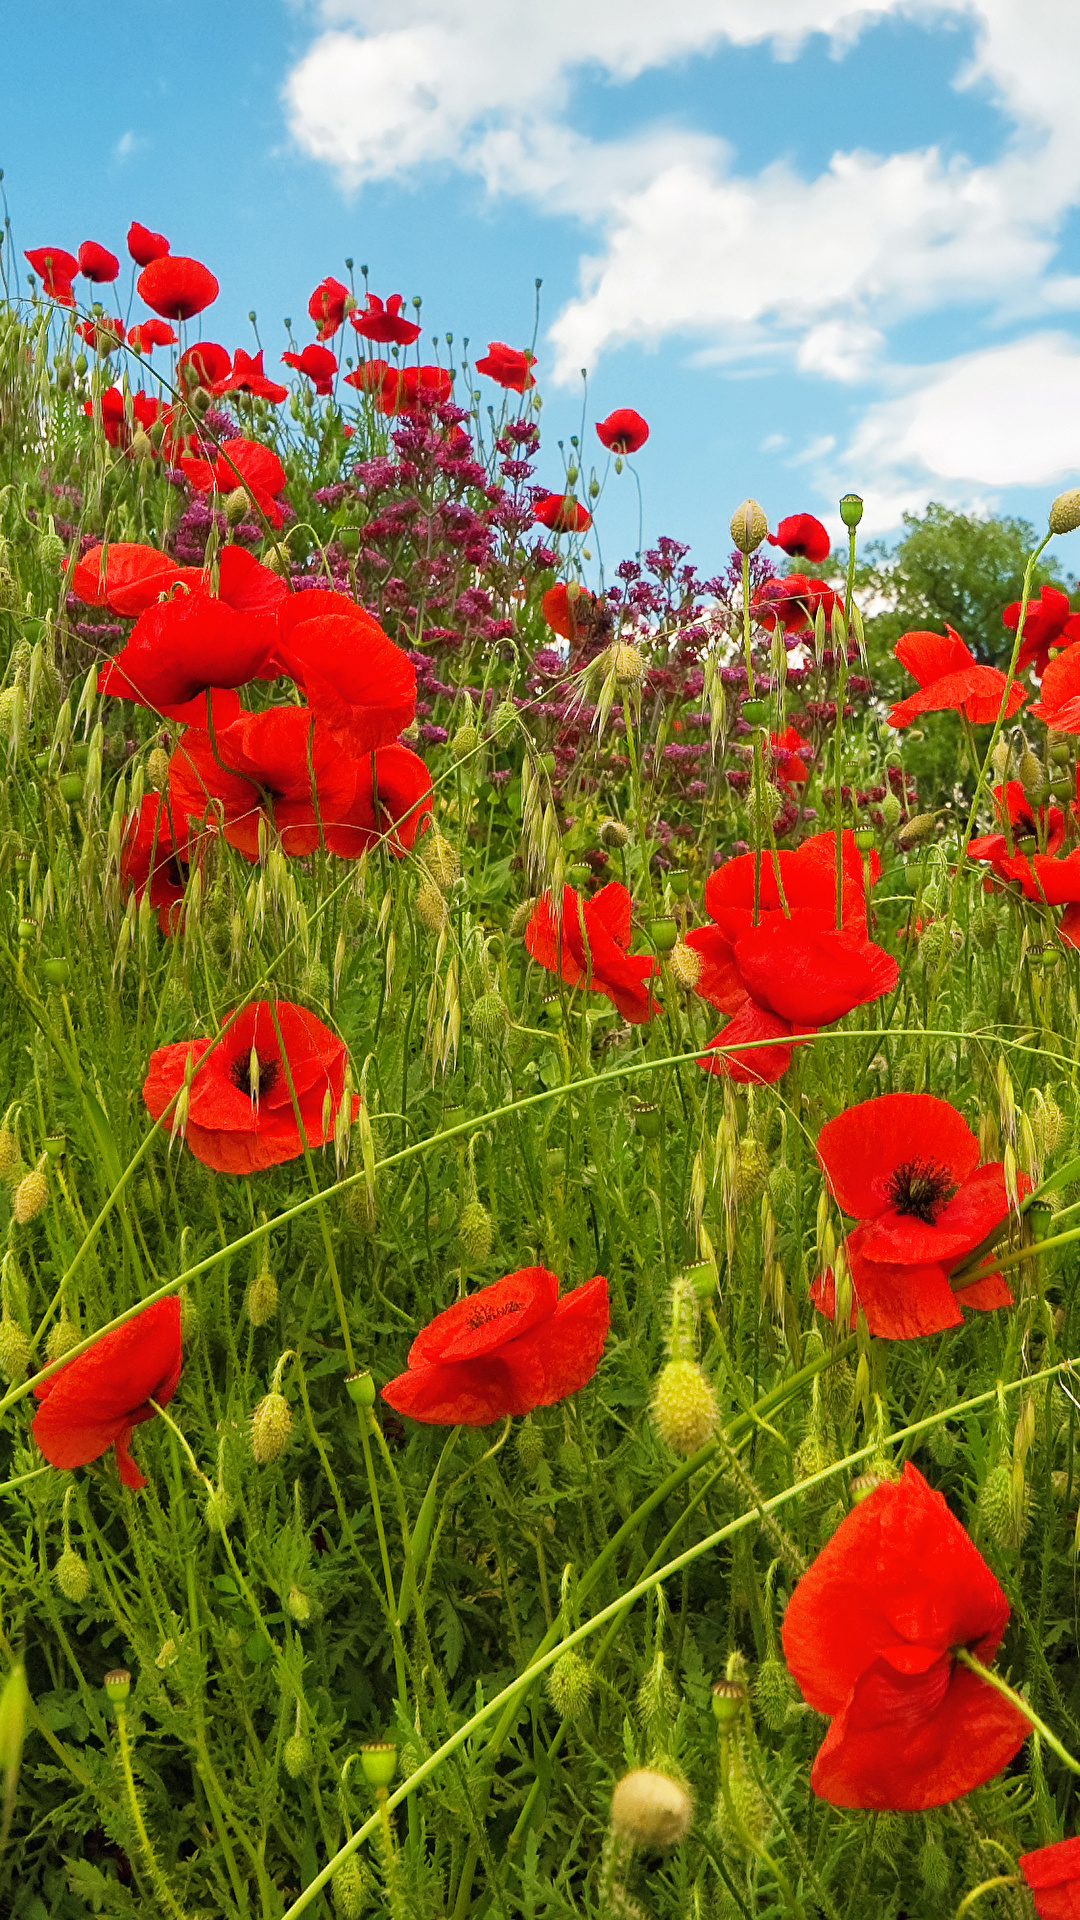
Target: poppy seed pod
{"points": [[649, 1809], [684, 1407], [271, 1425], [378, 1763], [851, 509], [749, 525], [1064, 515]]}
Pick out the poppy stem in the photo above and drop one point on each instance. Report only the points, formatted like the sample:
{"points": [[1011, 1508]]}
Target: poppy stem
{"points": [[967, 1659], [985, 1886], [161, 1886]]}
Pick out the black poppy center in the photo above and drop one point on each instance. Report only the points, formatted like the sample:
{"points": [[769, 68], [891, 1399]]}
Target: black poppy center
{"points": [[480, 1314], [255, 1078], [921, 1189]]}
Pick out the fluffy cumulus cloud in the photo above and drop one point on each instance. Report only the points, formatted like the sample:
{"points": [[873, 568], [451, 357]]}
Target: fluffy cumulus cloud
{"points": [[744, 264]]}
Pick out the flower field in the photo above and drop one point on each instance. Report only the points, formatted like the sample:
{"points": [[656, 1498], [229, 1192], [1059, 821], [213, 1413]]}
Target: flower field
{"points": [[539, 1162]]}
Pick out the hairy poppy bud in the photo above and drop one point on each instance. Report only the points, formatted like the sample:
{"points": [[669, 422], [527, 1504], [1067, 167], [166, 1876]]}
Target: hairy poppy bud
{"points": [[684, 1407], [219, 1509], [773, 1693], [440, 859], [298, 1606], [890, 812], [10, 1157], [296, 1756], [464, 742], [520, 918], [1064, 515], [1047, 1125], [431, 906], [475, 1231], [530, 1446], [72, 1575], [271, 1425], [649, 1809], [915, 830], [782, 1190], [14, 1350], [157, 769], [262, 1296], [63, 1335], [751, 1171], [614, 834], [1032, 772], [628, 664], [766, 802], [504, 719], [749, 525], [569, 1685], [349, 1889], [31, 1195], [1005, 1505], [743, 1814], [685, 963], [490, 1016]]}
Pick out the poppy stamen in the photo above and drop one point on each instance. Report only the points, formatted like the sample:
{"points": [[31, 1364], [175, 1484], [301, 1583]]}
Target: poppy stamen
{"points": [[921, 1189], [481, 1315], [253, 1075]]}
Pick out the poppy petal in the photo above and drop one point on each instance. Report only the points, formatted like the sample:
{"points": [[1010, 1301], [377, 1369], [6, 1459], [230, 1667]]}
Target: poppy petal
{"points": [[862, 1148]]}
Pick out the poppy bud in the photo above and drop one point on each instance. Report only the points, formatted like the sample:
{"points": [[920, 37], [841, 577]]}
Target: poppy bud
{"points": [[431, 907], [530, 1446], [569, 1685], [1032, 772], [751, 1171], [475, 1231], [743, 1814], [298, 1606], [219, 1509], [932, 943], [1047, 1125], [520, 918], [271, 1425], [31, 1195], [890, 812], [749, 525], [262, 1296], [766, 802], [684, 1407], [10, 1157], [772, 1691], [504, 719], [1004, 1504], [297, 1756], [613, 834], [378, 1763], [685, 963], [490, 1017], [649, 1809], [440, 859], [464, 742], [14, 1350], [63, 1335], [349, 1889], [1064, 515], [782, 1190], [72, 1575], [851, 509], [915, 830]]}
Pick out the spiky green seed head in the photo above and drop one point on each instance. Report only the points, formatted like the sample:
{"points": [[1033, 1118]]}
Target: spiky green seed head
{"points": [[298, 1606], [14, 1350], [628, 664], [570, 1683], [914, 831], [431, 907], [685, 963], [613, 834], [72, 1575], [475, 1231], [649, 1809], [271, 1425], [490, 1017], [504, 719], [31, 1196], [297, 1756], [530, 1446], [772, 1691], [62, 1336], [684, 1407], [348, 1887], [440, 859], [1005, 1505], [751, 1171], [262, 1298]]}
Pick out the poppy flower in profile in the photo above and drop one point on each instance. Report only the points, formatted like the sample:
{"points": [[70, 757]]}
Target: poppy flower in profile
{"points": [[120, 417], [1048, 622], [408, 388], [97, 263], [870, 1635], [318, 363], [126, 577], [1053, 1875], [371, 375], [1012, 855], [179, 648], [787, 749], [328, 306], [242, 463], [176, 287], [586, 943], [150, 334], [57, 269], [508, 367], [247, 376], [240, 1111], [1059, 694], [362, 686], [570, 610], [149, 861], [385, 324], [624, 431], [144, 245], [803, 537], [792, 603], [906, 1165], [503, 1350], [102, 335], [208, 363], [950, 678], [561, 513], [101, 1396]]}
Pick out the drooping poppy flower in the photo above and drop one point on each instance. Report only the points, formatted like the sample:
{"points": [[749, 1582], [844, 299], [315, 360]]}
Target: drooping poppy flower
{"points": [[803, 537], [1059, 695], [1053, 1875], [624, 431], [241, 463], [97, 263], [240, 1112], [385, 324], [57, 269], [572, 611], [176, 287], [371, 376], [360, 684], [508, 367], [328, 306], [587, 944], [786, 750], [208, 361], [102, 335], [101, 1396], [179, 648], [792, 603], [318, 363], [503, 1350], [247, 376], [906, 1165], [149, 860], [1048, 622], [870, 1635], [150, 334], [950, 678], [561, 513], [144, 245], [126, 577]]}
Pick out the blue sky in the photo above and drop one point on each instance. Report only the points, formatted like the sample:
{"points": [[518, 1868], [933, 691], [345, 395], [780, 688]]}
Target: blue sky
{"points": [[820, 245]]}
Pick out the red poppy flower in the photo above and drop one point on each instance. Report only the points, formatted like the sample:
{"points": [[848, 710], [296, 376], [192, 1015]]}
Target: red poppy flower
{"points": [[144, 245], [247, 376], [318, 363], [394, 813], [1048, 875], [148, 859], [1053, 1874], [384, 323], [906, 1165], [870, 1635], [1048, 622], [176, 287], [240, 1113], [569, 610], [57, 269], [127, 578], [360, 684], [371, 376], [507, 367], [587, 944], [1059, 694], [242, 463], [120, 417], [509, 1347], [787, 750], [792, 603], [950, 677], [102, 335], [208, 361], [328, 306], [97, 263], [245, 584], [562, 513], [803, 537], [150, 334], [624, 431], [101, 1396], [179, 648], [409, 388]]}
